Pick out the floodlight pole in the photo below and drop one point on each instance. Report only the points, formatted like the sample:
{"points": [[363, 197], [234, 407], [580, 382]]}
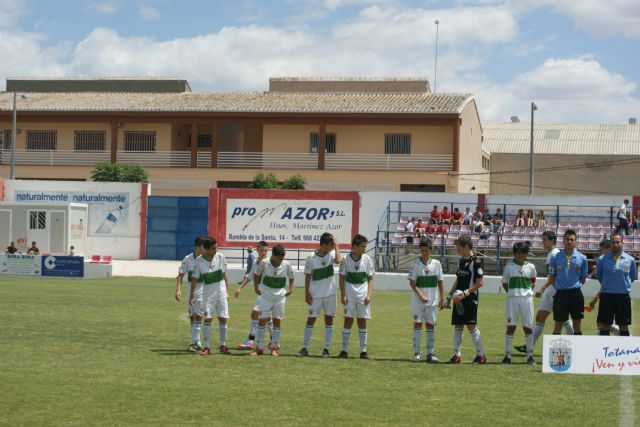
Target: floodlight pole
{"points": [[12, 173], [435, 64], [534, 107]]}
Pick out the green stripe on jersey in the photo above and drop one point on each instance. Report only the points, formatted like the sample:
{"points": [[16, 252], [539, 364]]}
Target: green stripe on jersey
{"points": [[519, 283], [189, 274], [427, 281], [356, 278], [274, 282], [322, 273], [212, 277]]}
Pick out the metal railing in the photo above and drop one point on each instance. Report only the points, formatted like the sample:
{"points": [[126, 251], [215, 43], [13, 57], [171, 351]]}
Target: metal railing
{"points": [[388, 162], [174, 159], [54, 157], [260, 160], [204, 159]]}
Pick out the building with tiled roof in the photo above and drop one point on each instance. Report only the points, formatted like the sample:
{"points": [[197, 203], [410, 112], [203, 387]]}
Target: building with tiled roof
{"points": [[340, 133]]}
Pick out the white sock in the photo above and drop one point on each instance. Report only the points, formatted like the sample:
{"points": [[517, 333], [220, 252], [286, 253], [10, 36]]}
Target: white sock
{"points": [[477, 341], [252, 329], [328, 334], [222, 332], [568, 327], [346, 335], [207, 335], [457, 340], [363, 339], [196, 325], [431, 340], [260, 337], [417, 334], [275, 338], [528, 338], [308, 331], [270, 327], [615, 330], [537, 331], [508, 345]]}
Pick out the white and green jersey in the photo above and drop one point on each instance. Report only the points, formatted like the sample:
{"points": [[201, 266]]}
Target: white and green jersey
{"points": [[211, 275], [552, 253], [187, 266], [274, 280], [426, 277], [519, 279], [320, 268], [254, 270], [356, 275]]}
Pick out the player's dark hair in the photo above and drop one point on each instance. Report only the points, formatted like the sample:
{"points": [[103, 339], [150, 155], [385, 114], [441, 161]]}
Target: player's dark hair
{"points": [[521, 247], [426, 243], [358, 239], [551, 235], [464, 241], [619, 235], [208, 241], [326, 239], [606, 243], [570, 232], [262, 244], [198, 241], [278, 250]]}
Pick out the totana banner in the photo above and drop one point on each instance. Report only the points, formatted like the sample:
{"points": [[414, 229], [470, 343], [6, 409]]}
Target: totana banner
{"points": [[583, 354]]}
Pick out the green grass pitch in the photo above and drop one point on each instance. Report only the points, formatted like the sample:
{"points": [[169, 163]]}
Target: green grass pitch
{"points": [[113, 352]]}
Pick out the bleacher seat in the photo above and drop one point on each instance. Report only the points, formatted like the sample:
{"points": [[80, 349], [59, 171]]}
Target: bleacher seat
{"points": [[95, 258], [593, 246], [106, 259], [455, 227], [583, 246], [465, 228]]}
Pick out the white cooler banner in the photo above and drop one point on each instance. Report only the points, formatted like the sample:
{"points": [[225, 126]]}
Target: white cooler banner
{"points": [[584, 354], [287, 221], [19, 265]]}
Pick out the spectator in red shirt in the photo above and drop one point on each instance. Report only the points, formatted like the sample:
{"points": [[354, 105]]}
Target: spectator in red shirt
{"points": [[445, 216], [443, 229], [435, 216], [456, 216], [420, 229], [431, 230]]}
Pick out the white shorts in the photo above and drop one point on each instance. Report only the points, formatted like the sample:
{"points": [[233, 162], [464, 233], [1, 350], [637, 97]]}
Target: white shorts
{"points": [[271, 308], [546, 300], [519, 308], [425, 313], [357, 309], [326, 304], [211, 308]]}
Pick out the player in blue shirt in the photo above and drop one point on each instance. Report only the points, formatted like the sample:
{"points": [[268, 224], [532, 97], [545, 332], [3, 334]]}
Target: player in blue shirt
{"points": [[615, 271]]}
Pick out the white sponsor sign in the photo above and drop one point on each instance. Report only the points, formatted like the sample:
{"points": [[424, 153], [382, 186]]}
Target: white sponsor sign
{"points": [[287, 221], [581, 354], [19, 265]]}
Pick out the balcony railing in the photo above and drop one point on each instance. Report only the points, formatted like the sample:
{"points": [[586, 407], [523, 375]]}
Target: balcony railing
{"points": [[387, 162], [55, 157], [162, 159], [259, 160]]}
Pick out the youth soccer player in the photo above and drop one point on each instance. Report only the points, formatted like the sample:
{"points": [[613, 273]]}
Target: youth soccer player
{"points": [[464, 293], [210, 273], [356, 287], [426, 281], [270, 283], [262, 248], [518, 280], [320, 290], [186, 267]]}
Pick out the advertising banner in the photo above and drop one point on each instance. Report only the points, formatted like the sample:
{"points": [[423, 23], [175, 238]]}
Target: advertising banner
{"points": [[19, 265], [63, 266], [592, 355], [296, 219]]}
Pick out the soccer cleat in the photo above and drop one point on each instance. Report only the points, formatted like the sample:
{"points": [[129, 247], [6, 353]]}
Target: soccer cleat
{"points": [[479, 360], [193, 348], [256, 352], [303, 352], [455, 360], [247, 345], [531, 361], [521, 348], [325, 352], [270, 346], [506, 360], [224, 349], [432, 359], [205, 352], [417, 357], [364, 355], [343, 355], [274, 351]]}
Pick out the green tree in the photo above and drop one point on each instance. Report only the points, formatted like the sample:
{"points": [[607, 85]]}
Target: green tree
{"points": [[265, 181], [114, 172], [294, 182], [134, 173]]}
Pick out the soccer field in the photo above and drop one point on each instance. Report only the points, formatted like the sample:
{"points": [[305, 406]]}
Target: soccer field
{"points": [[114, 352]]}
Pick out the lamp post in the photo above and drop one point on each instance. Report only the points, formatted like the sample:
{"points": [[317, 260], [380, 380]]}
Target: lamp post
{"points": [[534, 107], [435, 64], [12, 174]]}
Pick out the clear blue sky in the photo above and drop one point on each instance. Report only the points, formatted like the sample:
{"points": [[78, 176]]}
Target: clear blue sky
{"points": [[577, 59]]}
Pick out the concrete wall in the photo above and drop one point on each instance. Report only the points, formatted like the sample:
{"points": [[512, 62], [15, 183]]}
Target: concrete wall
{"points": [[471, 153]]}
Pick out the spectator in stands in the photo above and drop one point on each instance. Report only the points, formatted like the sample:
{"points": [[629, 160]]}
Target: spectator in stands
{"points": [[542, 221], [456, 217], [72, 251], [33, 250], [478, 225], [622, 218], [629, 219], [431, 230], [11, 249], [420, 229], [445, 216], [408, 234], [435, 216], [520, 218], [442, 229], [477, 214], [636, 220], [497, 221], [467, 218], [530, 218]]}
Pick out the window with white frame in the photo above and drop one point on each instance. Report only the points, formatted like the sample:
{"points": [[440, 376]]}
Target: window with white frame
{"points": [[397, 143], [330, 142], [89, 140], [42, 139], [140, 140], [37, 220]]}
